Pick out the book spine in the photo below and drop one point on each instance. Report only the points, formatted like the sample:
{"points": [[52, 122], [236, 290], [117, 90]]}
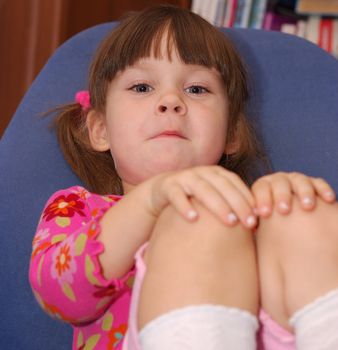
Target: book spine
{"points": [[301, 28], [242, 13], [246, 14], [289, 28], [257, 14], [335, 39], [220, 12], [195, 6], [230, 13], [206, 9], [267, 22], [325, 34], [312, 29]]}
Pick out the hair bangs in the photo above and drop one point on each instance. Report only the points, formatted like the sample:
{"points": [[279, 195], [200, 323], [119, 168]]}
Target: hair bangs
{"points": [[155, 33], [208, 47]]}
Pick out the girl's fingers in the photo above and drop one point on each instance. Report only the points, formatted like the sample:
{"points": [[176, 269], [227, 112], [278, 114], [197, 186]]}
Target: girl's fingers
{"points": [[263, 197], [179, 200], [323, 189], [239, 184], [241, 210], [303, 188], [212, 199], [277, 189], [281, 192]]}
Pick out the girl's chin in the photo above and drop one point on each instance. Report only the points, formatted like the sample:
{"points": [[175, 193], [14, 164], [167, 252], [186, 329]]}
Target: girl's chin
{"points": [[164, 166]]}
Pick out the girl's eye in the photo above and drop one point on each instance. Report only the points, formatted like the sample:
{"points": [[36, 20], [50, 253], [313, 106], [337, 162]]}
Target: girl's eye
{"points": [[197, 89], [141, 88]]}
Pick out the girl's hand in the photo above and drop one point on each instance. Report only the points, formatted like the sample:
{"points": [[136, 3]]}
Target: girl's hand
{"points": [[276, 190], [222, 192]]}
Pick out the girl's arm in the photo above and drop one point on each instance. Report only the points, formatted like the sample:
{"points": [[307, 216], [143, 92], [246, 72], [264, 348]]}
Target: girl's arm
{"points": [[65, 271], [124, 228]]}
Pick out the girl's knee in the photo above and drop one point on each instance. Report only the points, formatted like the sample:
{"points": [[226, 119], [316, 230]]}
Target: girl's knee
{"points": [[207, 232], [299, 251], [300, 229], [200, 262], [204, 246]]}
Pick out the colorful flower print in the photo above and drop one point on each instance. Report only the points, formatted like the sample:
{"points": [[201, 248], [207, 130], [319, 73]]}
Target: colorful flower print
{"points": [[64, 206], [82, 193], [116, 335], [40, 236], [64, 264]]}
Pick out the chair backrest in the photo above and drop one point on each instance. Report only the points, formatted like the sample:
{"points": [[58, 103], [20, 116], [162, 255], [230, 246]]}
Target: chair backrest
{"points": [[294, 88]]}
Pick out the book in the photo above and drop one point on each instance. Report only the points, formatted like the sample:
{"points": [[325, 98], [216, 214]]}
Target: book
{"points": [[335, 38], [212, 10], [322, 7], [242, 16], [301, 28], [324, 33], [258, 9], [325, 37], [289, 28], [196, 6], [274, 21], [312, 29], [230, 13], [209, 11], [220, 12]]}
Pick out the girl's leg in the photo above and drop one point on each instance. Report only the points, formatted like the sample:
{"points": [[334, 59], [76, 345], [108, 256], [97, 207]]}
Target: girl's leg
{"points": [[297, 258], [198, 263]]}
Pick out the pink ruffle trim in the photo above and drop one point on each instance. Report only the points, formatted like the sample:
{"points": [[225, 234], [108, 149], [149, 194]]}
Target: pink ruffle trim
{"points": [[97, 249]]}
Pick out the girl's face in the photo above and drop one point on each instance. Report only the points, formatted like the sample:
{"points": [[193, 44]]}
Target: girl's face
{"points": [[164, 115]]}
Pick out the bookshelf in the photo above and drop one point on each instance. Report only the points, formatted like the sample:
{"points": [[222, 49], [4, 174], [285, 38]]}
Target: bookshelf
{"points": [[316, 21]]}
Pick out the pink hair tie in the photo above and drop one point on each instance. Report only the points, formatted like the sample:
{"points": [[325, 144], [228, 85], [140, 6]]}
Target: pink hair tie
{"points": [[83, 98]]}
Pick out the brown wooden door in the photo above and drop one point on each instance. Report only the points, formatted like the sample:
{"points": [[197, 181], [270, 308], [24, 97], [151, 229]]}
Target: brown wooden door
{"points": [[30, 31]]}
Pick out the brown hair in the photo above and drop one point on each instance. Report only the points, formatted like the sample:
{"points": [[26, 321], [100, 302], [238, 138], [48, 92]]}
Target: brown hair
{"points": [[139, 35]]}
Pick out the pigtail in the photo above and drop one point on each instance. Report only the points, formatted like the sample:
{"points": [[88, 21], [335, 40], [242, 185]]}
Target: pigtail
{"points": [[95, 169]]}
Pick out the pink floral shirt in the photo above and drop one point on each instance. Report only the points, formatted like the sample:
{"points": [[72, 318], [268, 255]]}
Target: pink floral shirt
{"points": [[66, 276]]}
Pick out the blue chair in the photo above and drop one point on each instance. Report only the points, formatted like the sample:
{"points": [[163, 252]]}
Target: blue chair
{"points": [[294, 89]]}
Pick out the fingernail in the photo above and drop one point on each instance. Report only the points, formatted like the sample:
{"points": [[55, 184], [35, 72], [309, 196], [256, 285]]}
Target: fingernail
{"points": [[232, 218], [283, 206], [308, 201], [251, 221], [264, 210], [192, 214], [329, 195]]}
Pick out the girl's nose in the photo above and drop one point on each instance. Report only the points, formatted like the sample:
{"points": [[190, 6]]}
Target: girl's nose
{"points": [[171, 103]]}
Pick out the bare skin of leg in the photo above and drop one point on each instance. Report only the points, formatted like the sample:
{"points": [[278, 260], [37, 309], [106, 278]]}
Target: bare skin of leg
{"points": [[298, 258], [203, 262]]}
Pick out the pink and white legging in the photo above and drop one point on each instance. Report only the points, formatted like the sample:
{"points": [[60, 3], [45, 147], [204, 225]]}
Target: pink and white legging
{"points": [[216, 327]]}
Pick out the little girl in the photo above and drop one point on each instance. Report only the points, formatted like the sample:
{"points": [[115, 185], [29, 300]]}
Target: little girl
{"points": [[168, 158]]}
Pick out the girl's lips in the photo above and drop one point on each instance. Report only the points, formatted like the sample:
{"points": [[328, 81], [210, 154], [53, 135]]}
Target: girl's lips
{"points": [[170, 133]]}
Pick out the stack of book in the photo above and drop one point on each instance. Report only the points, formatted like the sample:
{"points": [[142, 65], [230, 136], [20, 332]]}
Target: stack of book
{"points": [[313, 20]]}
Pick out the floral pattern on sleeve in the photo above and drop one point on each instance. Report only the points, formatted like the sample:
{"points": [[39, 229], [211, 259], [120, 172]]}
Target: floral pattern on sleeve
{"points": [[65, 273]]}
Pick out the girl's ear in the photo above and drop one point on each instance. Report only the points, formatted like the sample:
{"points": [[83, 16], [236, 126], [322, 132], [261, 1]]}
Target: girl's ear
{"points": [[232, 147], [97, 131], [233, 143]]}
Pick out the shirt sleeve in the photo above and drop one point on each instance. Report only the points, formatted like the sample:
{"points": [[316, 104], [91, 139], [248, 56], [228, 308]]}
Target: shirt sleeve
{"points": [[65, 273]]}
